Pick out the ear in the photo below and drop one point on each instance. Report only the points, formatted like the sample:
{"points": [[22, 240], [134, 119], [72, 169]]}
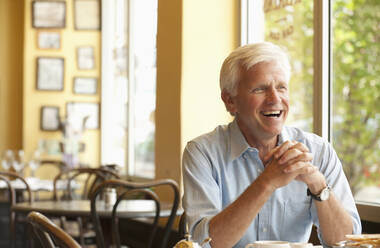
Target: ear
{"points": [[229, 102]]}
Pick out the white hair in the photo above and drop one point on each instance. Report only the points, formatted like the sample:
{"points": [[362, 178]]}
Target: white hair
{"points": [[245, 57]]}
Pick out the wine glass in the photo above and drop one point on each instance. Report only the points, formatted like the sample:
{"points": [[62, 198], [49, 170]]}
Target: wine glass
{"points": [[35, 161], [7, 159], [19, 161]]}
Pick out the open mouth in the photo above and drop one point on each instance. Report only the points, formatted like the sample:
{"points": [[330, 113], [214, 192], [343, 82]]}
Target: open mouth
{"points": [[272, 114]]}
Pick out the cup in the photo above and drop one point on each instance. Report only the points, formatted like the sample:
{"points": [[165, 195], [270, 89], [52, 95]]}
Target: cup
{"points": [[301, 245], [110, 196], [269, 244]]}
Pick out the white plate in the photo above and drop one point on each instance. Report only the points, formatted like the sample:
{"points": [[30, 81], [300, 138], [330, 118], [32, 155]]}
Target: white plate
{"points": [[362, 236]]}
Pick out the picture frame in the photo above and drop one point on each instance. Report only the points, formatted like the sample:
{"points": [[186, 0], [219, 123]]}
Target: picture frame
{"points": [[50, 73], [85, 58], [87, 14], [80, 110], [48, 40], [49, 118], [85, 85], [48, 14]]}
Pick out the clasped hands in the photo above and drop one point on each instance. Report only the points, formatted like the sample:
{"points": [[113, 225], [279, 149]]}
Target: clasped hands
{"points": [[291, 161]]}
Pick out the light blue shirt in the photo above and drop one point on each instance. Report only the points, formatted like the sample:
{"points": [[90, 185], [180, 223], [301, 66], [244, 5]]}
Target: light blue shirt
{"points": [[220, 165]]}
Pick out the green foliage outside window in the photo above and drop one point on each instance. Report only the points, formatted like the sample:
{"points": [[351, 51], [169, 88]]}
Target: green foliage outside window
{"points": [[356, 89]]}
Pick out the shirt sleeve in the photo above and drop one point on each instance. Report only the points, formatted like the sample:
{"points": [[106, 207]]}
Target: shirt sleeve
{"points": [[331, 167], [202, 197]]}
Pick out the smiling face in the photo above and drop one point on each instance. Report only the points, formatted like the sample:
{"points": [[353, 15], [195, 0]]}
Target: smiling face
{"points": [[261, 104]]}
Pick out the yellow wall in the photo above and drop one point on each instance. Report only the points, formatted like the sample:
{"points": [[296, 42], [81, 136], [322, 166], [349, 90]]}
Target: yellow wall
{"points": [[34, 99], [210, 34], [11, 48], [194, 37]]}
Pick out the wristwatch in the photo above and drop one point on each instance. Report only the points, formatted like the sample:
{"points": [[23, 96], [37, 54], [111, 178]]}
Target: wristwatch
{"points": [[323, 196]]}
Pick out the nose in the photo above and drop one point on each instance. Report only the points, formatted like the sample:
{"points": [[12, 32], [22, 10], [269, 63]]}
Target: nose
{"points": [[273, 96]]}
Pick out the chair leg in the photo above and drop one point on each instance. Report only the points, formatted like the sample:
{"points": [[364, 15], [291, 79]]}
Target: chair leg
{"points": [[12, 229]]}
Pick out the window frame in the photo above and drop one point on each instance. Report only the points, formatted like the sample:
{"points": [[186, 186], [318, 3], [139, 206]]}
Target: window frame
{"points": [[108, 8], [322, 79]]}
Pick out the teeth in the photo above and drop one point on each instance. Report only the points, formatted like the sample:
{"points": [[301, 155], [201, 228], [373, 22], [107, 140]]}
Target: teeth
{"points": [[272, 112]]}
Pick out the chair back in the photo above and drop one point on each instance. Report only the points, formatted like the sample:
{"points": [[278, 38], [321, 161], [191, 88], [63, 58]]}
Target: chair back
{"points": [[12, 175], [50, 234], [6, 177], [124, 189], [182, 228], [88, 178], [47, 168]]}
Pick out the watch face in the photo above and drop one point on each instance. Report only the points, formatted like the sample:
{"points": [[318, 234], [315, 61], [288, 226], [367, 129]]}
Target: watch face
{"points": [[325, 194]]}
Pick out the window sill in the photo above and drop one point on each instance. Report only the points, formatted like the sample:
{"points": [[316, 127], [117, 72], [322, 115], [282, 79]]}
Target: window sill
{"points": [[369, 211]]}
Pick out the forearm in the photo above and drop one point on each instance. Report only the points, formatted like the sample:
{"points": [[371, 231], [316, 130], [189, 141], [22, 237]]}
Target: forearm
{"points": [[228, 227], [334, 220]]}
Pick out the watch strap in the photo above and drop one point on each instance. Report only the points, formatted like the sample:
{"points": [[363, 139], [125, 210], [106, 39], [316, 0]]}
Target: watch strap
{"points": [[316, 197]]}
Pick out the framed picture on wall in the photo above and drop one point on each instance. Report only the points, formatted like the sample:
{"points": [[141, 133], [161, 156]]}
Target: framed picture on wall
{"points": [[85, 58], [50, 73], [85, 85], [49, 118], [80, 110], [87, 14], [48, 40], [48, 14]]}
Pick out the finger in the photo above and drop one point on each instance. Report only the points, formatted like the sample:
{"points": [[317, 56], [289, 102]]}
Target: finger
{"points": [[270, 154], [307, 170], [300, 146], [291, 157], [283, 148], [300, 167]]}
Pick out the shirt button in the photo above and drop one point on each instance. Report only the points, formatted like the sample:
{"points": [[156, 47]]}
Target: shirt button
{"points": [[264, 229]]}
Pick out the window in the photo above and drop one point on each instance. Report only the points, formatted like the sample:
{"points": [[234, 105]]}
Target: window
{"points": [[356, 93], [334, 87], [129, 30], [290, 27]]}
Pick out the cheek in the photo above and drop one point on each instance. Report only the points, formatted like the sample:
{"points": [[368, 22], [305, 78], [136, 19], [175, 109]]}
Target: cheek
{"points": [[285, 100]]}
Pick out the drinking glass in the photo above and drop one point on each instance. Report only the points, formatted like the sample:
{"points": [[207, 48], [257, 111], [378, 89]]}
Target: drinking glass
{"points": [[7, 159], [35, 161], [19, 161]]}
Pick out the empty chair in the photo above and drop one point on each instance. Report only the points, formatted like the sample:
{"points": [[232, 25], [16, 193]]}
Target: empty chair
{"points": [[12, 199], [124, 189], [46, 170], [182, 225], [86, 179], [48, 233]]}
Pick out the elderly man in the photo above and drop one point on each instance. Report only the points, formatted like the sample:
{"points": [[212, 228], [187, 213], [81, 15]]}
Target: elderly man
{"points": [[256, 179]]}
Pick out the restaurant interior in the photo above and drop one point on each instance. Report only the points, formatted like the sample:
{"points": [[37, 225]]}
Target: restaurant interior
{"points": [[123, 85]]}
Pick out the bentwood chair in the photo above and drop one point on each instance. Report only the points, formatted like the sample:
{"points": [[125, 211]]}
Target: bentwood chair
{"points": [[125, 189], [87, 178], [47, 169], [12, 196], [50, 234]]}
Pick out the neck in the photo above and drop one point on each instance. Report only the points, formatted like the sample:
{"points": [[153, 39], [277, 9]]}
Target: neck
{"points": [[263, 144]]}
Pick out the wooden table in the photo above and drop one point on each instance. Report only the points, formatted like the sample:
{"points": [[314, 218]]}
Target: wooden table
{"points": [[82, 208]]}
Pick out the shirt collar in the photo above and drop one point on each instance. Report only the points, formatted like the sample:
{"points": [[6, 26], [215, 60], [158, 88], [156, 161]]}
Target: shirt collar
{"points": [[238, 143]]}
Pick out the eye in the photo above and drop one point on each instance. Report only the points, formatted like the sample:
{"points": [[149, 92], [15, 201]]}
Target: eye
{"points": [[258, 90], [282, 88]]}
